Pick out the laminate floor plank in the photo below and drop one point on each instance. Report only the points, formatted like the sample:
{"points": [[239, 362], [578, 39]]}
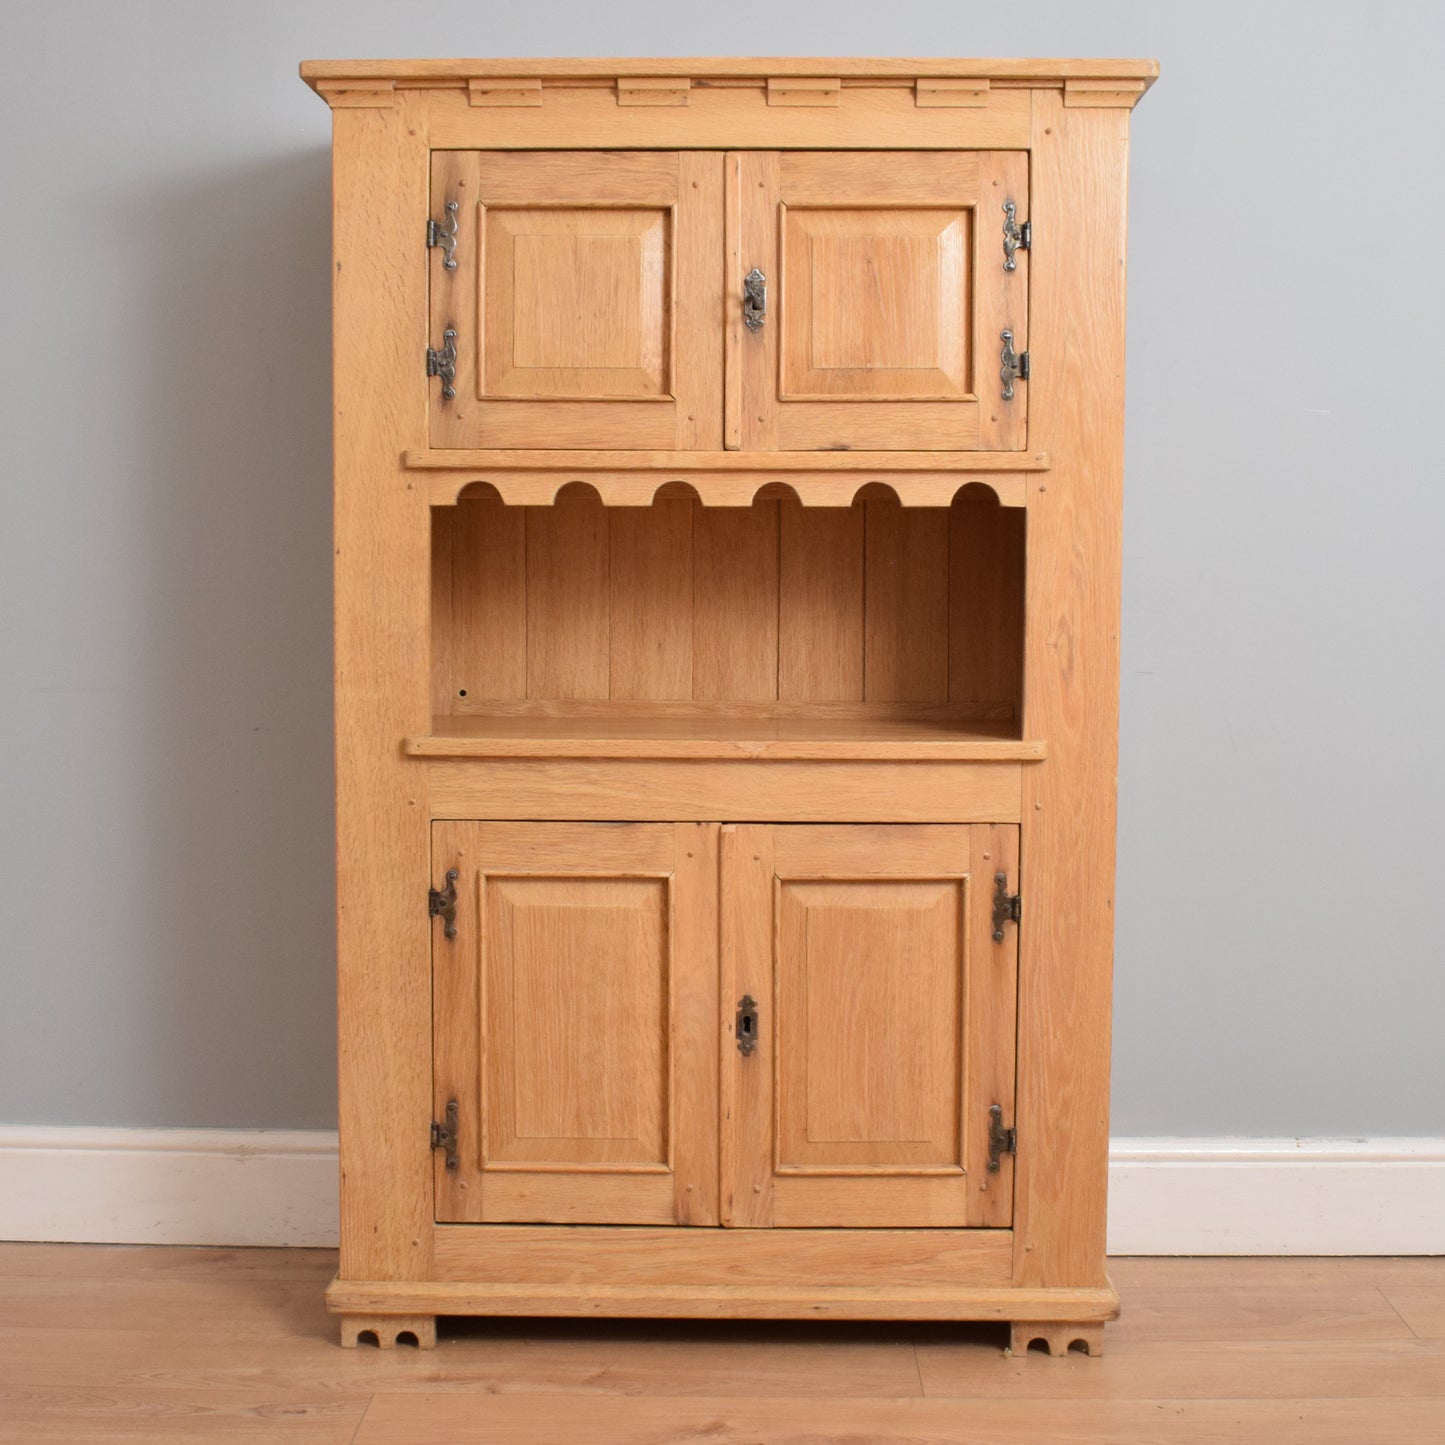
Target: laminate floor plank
{"points": [[1198, 1370], [176, 1417], [147, 1261], [687, 1357], [249, 1306], [546, 1419], [119, 1343], [1415, 1270], [520, 1356], [1254, 1312], [208, 1357]]}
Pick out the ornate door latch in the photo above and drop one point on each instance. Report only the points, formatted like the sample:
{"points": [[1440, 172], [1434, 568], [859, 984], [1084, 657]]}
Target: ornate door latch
{"points": [[755, 300]]}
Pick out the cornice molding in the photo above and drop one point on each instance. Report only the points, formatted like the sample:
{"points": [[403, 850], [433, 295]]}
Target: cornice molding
{"points": [[785, 81]]}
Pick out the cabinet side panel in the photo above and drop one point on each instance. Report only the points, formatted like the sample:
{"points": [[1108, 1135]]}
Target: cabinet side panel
{"points": [[986, 607], [443, 625], [1071, 691], [381, 568], [487, 602]]}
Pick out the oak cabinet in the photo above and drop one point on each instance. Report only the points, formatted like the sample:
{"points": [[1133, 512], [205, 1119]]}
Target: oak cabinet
{"points": [[728, 464]]}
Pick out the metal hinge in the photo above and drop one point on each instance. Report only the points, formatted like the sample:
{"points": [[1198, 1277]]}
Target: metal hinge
{"points": [[1016, 237], [1013, 365], [442, 903], [444, 1136], [444, 234], [1007, 907], [1001, 1141], [443, 362]]}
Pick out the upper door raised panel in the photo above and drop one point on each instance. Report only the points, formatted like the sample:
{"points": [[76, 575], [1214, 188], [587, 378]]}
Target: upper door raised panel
{"points": [[887, 300], [585, 299]]}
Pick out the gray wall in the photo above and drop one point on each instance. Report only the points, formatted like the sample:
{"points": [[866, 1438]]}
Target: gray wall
{"points": [[165, 916]]}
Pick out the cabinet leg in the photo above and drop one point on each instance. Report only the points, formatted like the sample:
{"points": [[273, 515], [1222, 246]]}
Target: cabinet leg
{"points": [[387, 1330], [1057, 1337]]}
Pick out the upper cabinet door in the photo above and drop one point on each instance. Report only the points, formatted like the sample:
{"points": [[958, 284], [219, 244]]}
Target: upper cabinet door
{"points": [[887, 294], [585, 299]]}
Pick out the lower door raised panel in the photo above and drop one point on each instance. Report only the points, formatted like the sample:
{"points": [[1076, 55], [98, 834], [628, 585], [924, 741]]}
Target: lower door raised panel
{"points": [[574, 1023], [883, 1032]]}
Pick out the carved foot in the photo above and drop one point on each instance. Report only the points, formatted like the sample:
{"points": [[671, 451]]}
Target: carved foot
{"points": [[1057, 1338], [387, 1331]]}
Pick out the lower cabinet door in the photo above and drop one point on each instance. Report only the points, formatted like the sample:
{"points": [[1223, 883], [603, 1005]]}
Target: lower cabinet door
{"points": [[876, 1017], [575, 1012]]}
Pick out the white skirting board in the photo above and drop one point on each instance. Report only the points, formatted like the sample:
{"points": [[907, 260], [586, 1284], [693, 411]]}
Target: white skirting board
{"points": [[168, 1186], [1166, 1196], [1277, 1196]]}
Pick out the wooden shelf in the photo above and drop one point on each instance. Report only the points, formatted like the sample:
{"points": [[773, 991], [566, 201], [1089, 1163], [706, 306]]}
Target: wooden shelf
{"points": [[727, 479], [721, 731]]}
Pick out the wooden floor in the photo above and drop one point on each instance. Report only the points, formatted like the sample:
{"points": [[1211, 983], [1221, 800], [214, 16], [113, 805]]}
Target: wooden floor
{"points": [[133, 1344]]}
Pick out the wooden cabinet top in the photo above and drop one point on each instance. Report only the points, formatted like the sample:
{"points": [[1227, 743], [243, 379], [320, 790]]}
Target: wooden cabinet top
{"points": [[1086, 80]]}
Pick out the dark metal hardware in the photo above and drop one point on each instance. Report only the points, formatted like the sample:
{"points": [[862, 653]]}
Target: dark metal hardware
{"points": [[1001, 1141], [746, 1031], [1014, 365], [442, 903], [444, 234], [443, 362], [755, 300], [1007, 906], [444, 1136], [1016, 237]]}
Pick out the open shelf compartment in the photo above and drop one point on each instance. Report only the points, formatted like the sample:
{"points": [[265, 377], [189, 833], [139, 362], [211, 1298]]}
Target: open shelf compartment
{"points": [[773, 630]]}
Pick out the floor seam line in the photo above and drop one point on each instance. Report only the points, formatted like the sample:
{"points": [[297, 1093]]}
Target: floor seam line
{"points": [[365, 1411], [1380, 1289]]}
